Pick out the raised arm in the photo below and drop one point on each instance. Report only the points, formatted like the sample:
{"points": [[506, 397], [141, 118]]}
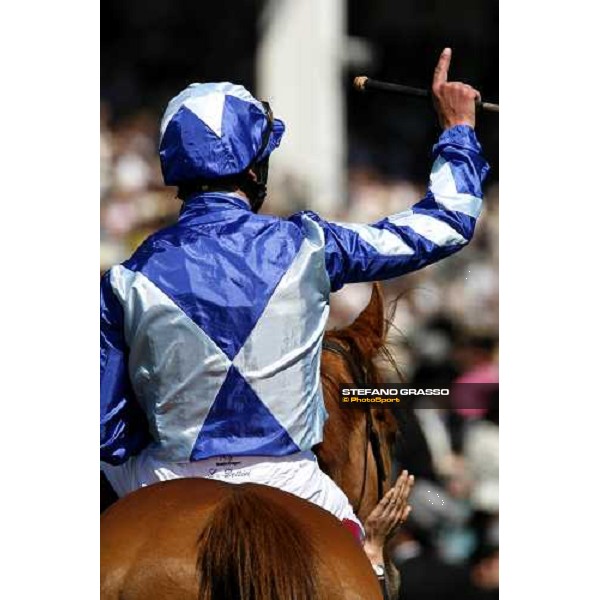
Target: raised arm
{"points": [[441, 223]]}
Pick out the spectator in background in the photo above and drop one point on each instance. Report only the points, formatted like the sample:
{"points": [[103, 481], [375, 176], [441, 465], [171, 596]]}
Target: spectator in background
{"points": [[482, 444], [431, 435], [424, 574], [477, 356], [484, 575]]}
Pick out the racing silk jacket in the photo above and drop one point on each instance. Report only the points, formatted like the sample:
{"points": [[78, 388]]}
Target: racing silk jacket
{"points": [[211, 332]]}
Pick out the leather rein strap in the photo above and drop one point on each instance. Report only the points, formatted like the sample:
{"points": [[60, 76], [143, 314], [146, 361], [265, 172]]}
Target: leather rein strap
{"points": [[360, 376]]}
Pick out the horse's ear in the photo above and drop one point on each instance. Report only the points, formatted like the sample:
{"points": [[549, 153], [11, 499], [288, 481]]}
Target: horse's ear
{"points": [[372, 318], [368, 330]]}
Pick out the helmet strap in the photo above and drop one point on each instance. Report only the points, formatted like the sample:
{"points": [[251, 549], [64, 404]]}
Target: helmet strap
{"points": [[256, 187]]}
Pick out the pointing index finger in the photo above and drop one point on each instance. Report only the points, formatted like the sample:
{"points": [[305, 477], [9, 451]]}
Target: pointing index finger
{"points": [[440, 75]]}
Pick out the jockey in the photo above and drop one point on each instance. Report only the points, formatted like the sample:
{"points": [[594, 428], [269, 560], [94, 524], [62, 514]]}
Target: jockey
{"points": [[211, 332]]}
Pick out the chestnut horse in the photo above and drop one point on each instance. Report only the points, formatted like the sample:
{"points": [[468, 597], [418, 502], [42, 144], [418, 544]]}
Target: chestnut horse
{"points": [[356, 451], [201, 539]]}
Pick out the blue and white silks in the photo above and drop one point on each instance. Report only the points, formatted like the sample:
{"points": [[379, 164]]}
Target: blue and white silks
{"points": [[211, 332], [213, 130]]}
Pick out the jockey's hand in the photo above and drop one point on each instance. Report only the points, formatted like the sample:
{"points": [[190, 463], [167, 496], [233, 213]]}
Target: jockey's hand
{"points": [[393, 509], [454, 102]]}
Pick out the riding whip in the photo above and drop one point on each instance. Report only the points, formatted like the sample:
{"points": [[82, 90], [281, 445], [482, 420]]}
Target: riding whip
{"points": [[364, 84]]}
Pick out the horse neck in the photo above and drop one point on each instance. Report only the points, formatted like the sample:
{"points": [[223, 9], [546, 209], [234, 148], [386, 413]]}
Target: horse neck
{"points": [[349, 356], [347, 454]]}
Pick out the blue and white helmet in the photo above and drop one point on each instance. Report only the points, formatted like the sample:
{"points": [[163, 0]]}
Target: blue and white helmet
{"points": [[214, 130]]}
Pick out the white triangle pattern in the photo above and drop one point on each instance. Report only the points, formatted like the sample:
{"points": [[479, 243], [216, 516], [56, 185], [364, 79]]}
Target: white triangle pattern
{"points": [[443, 187], [275, 377], [209, 109], [196, 94]]}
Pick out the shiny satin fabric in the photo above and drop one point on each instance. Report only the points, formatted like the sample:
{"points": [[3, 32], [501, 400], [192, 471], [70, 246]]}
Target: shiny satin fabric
{"points": [[214, 130], [177, 371], [211, 332]]}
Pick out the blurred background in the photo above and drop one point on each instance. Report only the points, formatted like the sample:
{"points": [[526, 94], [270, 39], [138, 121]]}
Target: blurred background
{"points": [[351, 157]]}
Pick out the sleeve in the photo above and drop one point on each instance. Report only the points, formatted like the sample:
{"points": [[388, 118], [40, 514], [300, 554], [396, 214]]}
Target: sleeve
{"points": [[437, 226], [123, 426]]}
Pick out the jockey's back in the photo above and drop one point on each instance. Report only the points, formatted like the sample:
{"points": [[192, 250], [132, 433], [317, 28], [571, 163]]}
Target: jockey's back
{"points": [[223, 315]]}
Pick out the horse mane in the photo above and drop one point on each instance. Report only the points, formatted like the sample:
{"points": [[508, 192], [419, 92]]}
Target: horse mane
{"points": [[236, 558]]}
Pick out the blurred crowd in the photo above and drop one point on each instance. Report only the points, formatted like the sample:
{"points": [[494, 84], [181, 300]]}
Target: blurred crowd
{"points": [[449, 547], [443, 324]]}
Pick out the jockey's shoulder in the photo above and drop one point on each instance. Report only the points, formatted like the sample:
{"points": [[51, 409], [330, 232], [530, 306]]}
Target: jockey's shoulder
{"points": [[305, 218], [300, 225]]}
